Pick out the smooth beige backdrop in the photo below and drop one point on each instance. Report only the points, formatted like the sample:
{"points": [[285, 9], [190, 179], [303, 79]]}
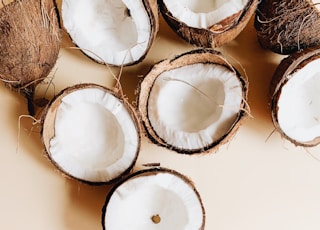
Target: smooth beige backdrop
{"points": [[258, 181]]}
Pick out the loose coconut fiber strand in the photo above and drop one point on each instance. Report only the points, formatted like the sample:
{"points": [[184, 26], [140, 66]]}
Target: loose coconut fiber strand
{"points": [[287, 26]]}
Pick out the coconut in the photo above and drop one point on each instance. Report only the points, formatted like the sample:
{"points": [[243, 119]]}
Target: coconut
{"points": [[286, 27], [294, 97], [156, 198], [118, 32], [207, 24], [91, 134], [194, 102], [29, 44]]}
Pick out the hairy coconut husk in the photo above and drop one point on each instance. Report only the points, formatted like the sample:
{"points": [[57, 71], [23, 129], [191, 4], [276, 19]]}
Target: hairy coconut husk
{"points": [[285, 27], [48, 127], [29, 44], [215, 36], [206, 56], [150, 172], [284, 71]]}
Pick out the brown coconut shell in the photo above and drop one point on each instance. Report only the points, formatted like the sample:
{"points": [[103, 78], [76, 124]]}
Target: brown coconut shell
{"points": [[285, 69], [151, 7], [48, 127], [150, 172], [215, 36], [285, 27], [29, 44], [208, 56]]}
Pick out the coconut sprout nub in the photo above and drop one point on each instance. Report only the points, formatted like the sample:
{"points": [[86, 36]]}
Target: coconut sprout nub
{"points": [[287, 26], [207, 23], [29, 44], [118, 32], [90, 134], [154, 199], [192, 103], [295, 98]]}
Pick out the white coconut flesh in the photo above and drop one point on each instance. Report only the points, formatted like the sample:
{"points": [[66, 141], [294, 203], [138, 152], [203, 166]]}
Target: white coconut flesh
{"points": [[299, 104], [203, 13], [154, 202], [95, 138], [193, 106], [115, 32], [316, 3]]}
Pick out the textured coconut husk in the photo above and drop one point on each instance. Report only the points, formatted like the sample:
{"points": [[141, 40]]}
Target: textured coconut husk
{"points": [[284, 71], [215, 36], [195, 56], [151, 7], [150, 172], [29, 44], [48, 127], [286, 27]]}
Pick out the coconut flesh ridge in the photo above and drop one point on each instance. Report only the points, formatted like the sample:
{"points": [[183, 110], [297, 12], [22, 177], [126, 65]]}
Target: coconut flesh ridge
{"points": [[299, 103], [193, 106], [95, 138], [154, 202], [203, 14], [114, 32]]}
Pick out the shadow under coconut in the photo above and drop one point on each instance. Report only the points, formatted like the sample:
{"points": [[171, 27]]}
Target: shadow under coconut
{"points": [[85, 203]]}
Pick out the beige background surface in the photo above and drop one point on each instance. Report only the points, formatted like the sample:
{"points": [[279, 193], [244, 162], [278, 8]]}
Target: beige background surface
{"points": [[256, 181]]}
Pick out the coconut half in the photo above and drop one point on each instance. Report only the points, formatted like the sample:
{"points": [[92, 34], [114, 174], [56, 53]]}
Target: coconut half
{"points": [[295, 100], [156, 198], [29, 44], [194, 102], [286, 27], [207, 24], [117, 32], [91, 134]]}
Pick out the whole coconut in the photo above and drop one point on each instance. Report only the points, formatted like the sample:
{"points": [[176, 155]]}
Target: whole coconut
{"points": [[29, 44], [286, 26]]}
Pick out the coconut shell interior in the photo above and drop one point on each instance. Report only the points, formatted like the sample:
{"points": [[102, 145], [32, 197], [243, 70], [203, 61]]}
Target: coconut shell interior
{"points": [[192, 57], [48, 127], [152, 172], [215, 36], [286, 68]]}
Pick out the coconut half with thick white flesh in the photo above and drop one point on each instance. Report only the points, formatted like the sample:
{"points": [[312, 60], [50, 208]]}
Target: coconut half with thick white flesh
{"points": [[208, 24], [287, 26], [91, 134], [156, 198], [194, 102], [116, 32], [295, 102]]}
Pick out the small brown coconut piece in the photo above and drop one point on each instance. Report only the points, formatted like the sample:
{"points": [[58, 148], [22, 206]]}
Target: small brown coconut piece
{"points": [[207, 24], [295, 103], [194, 102], [156, 198], [91, 134], [285, 27], [29, 44], [117, 33]]}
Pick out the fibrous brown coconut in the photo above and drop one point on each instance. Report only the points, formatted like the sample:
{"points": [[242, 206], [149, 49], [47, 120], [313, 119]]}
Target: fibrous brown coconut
{"points": [[117, 32], [295, 100], [91, 134], [286, 26], [29, 44], [207, 24], [156, 198], [194, 102]]}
